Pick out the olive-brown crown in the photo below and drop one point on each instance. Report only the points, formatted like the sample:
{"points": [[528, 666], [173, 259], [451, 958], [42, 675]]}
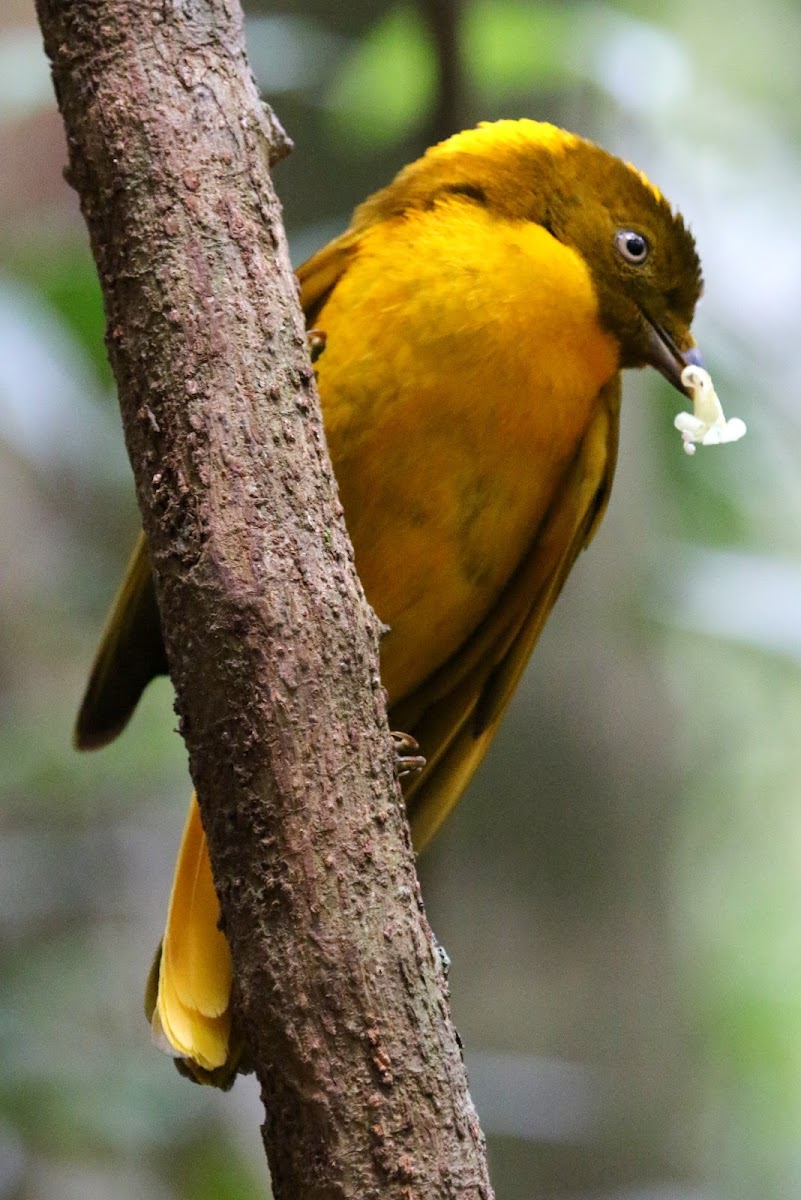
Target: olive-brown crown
{"points": [[585, 197]]}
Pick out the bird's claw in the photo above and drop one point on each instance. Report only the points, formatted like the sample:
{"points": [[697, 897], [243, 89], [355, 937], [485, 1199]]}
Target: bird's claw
{"points": [[315, 340], [406, 761]]}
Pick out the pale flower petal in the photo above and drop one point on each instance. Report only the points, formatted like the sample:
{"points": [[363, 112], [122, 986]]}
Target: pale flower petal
{"points": [[707, 424]]}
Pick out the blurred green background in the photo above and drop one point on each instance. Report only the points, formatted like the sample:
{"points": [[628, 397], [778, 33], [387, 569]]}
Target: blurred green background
{"points": [[620, 891]]}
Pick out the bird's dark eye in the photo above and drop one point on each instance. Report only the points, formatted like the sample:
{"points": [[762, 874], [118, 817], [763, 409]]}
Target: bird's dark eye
{"points": [[632, 246]]}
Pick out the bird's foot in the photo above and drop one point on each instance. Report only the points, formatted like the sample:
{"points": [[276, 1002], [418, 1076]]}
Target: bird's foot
{"points": [[407, 762], [315, 340]]}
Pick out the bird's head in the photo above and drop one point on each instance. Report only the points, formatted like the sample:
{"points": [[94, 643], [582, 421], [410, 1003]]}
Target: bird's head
{"points": [[640, 254]]}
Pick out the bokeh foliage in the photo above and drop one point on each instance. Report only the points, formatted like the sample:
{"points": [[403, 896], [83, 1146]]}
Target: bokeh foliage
{"points": [[620, 892]]}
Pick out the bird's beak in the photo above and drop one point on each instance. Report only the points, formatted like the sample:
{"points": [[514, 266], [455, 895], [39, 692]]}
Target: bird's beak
{"points": [[664, 354]]}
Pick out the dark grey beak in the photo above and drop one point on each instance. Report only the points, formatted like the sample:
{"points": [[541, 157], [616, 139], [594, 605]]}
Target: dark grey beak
{"points": [[665, 355]]}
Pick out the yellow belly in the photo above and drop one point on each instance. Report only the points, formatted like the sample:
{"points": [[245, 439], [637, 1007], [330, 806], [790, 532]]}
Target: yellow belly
{"points": [[448, 445]]}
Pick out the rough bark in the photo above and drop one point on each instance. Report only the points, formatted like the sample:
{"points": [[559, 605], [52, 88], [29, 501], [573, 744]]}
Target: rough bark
{"points": [[340, 991]]}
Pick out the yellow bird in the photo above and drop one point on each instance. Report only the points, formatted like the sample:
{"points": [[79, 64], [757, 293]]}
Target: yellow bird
{"points": [[477, 314]]}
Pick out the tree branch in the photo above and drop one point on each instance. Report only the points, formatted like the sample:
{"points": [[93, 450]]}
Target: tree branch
{"points": [[444, 19], [340, 992]]}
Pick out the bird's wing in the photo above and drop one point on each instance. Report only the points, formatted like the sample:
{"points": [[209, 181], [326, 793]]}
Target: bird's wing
{"points": [[320, 274], [454, 714], [130, 654], [131, 649]]}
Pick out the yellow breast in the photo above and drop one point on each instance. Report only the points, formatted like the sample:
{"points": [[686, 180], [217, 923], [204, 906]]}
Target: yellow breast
{"points": [[449, 441]]}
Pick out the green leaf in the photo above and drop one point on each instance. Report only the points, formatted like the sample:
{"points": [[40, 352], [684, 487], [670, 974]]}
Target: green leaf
{"points": [[387, 84]]}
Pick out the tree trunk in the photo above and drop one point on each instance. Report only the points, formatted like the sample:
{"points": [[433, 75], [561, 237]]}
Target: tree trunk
{"points": [[340, 992]]}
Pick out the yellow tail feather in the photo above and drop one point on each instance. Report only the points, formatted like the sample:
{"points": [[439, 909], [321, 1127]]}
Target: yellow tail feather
{"points": [[194, 980]]}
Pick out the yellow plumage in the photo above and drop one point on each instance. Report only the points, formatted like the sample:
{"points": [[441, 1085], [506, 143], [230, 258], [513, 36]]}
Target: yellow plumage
{"points": [[477, 313], [194, 981]]}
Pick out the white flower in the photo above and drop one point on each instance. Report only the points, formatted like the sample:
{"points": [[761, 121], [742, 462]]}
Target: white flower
{"points": [[706, 425]]}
